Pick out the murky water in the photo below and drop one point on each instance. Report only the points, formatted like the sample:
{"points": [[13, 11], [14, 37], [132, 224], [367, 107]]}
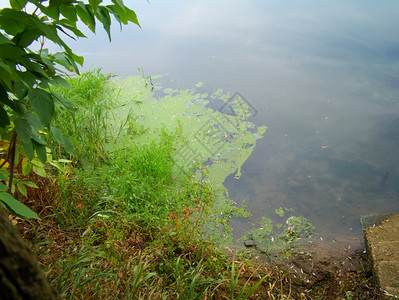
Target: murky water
{"points": [[323, 76]]}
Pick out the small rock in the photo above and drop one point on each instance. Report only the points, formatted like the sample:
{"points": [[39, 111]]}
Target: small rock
{"points": [[250, 243]]}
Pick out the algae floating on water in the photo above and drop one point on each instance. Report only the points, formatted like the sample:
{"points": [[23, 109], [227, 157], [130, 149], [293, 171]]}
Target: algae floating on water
{"points": [[211, 143]]}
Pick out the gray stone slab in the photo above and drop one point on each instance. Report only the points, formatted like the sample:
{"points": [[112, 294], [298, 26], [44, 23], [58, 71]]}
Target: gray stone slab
{"points": [[382, 241]]}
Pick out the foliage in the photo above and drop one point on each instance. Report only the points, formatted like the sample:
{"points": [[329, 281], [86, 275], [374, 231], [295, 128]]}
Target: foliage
{"points": [[28, 71], [92, 100]]}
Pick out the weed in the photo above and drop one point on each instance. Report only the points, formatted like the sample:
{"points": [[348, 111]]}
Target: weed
{"points": [[88, 126], [244, 292]]}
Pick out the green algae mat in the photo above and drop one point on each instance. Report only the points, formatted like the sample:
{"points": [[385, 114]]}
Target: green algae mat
{"points": [[212, 143]]}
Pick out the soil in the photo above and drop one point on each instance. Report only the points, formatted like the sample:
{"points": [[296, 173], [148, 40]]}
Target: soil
{"points": [[325, 270]]}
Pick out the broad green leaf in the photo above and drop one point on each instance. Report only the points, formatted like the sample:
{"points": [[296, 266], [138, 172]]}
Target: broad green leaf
{"points": [[65, 161], [22, 188], [17, 207], [21, 90], [68, 145], [29, 151], [18, 4], [11, 52], [43, 104], [36, 162], [26, 37], [132, 17], [63, 103], [4, 121], [60, 82], [57, 134], [30, 184], [13, 21], [4, 39], [40, 151], [95, 3], [6, 68], [104, 17], [58, 166], [78, 59], [37, 139], [26, 168], [119, 2], [34, 68], [4, 96], [23, 129], [3, 187], [69, 12], [55, 3], [34, 121], [86, 15], [39, 171], [52, 12], [71, 27], [65, 60]]}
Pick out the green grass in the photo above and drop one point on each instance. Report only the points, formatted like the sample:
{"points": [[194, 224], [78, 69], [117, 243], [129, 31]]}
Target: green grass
{"points": [[92, 101]]}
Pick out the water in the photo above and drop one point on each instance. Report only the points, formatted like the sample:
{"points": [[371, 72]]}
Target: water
{"points": [[323, 76]]}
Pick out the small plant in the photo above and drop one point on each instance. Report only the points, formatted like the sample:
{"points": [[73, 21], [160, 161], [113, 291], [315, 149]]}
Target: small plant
{"points": [[92, 101]]}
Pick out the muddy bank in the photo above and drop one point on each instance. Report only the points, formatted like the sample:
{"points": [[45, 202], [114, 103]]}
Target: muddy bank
{"points": [[326, 270]]}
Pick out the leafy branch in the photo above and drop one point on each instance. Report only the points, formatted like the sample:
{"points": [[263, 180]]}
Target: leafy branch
{"points": [[27, 103]]}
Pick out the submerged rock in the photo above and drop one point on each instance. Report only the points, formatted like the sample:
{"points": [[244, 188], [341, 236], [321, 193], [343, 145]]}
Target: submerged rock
{"points": [[250, 243]]}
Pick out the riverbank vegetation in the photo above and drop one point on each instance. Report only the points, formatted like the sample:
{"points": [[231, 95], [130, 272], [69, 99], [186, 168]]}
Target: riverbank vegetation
{"points": [[119, 220], [125, 223]]}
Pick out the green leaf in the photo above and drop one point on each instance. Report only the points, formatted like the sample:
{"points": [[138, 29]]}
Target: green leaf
{"points": [[3, 187], [95, 3], [39, 171], [17, 207], [58, 166], [124, 14], [68, 145], [18, 4], [11, 52], [103, 15], [13, 21], [26, 168], [63, 103], [69, 12], [65, 60], [26, 37], [30, 184], [23, 129], [86, 15], [4, 96], [56, 3], [29, 151], [22, 188], [4, 39], [40, 151], [57, 134], [43, 104], [60, 82], [37, 139], [36, 162], [78, 59], [34, 121], [4, 121], [72, 27], [21, 90]]}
